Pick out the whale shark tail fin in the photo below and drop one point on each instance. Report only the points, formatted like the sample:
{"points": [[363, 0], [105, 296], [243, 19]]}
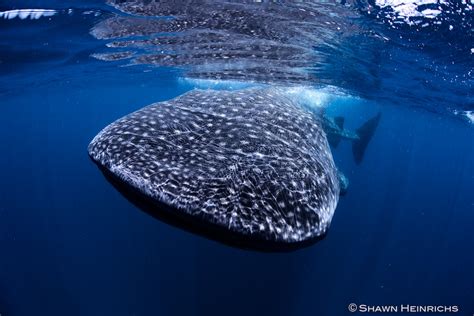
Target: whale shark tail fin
{"points": [[334, 139], [365, 133]]}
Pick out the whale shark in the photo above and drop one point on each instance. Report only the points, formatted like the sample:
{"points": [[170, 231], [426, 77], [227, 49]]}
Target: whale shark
{"points": [[253, 162], [250, 161]]}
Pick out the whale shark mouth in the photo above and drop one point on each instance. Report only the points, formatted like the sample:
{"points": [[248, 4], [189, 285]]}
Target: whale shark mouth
{"points": [[250, 161]]}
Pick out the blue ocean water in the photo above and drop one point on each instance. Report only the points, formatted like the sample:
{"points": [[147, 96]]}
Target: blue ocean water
{"points": [[71, 244]]}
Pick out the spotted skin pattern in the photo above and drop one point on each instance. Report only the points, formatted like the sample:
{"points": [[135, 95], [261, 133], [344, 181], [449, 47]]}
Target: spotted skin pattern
{"points": [[251, 161]]}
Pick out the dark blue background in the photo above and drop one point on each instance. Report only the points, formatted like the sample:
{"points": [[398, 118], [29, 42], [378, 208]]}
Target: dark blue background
{"points": [[70, 244]]}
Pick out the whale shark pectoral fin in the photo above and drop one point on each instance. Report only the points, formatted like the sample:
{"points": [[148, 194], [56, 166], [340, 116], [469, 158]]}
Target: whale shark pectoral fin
{"points": [[365, 133]]}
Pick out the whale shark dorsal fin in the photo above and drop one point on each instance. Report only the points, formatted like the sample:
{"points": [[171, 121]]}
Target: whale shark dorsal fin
{"points": [[339, 120], [365, 133]]}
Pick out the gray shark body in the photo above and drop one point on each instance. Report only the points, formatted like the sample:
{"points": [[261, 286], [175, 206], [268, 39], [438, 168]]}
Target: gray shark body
{"points": [[360, 138], [334, 128], [251, 161]]}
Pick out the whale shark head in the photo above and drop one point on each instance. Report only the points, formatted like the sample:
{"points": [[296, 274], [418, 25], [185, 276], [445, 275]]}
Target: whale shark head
{"points": [[250, 161]]}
